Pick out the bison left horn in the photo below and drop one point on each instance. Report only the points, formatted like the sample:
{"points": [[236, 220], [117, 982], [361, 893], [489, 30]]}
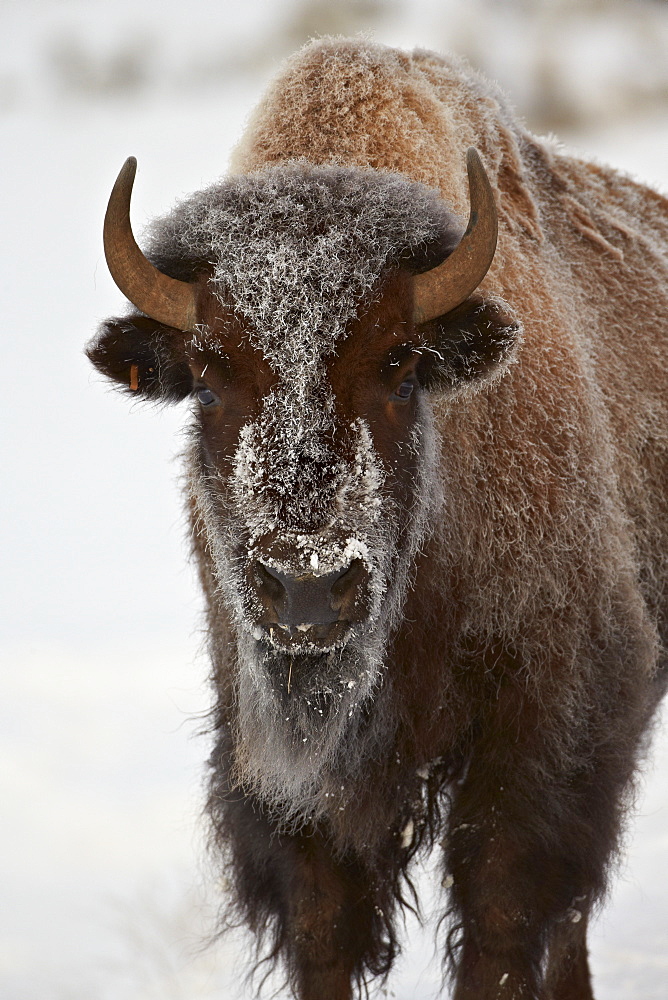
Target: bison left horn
{"points": [[442, 289], [164, 299]]}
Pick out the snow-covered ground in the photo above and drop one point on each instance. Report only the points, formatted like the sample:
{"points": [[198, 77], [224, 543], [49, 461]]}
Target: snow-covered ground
{"points": [[103, 686]]}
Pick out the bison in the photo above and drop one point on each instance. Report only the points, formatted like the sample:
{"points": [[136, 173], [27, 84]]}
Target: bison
{"points": [[428, 490]]}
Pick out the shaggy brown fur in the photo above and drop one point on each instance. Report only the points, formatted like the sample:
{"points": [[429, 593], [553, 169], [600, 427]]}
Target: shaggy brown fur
{"points": [[523, 676]]}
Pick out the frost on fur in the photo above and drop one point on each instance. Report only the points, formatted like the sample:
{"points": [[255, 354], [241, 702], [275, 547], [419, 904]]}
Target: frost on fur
{"points": [[299, 249]]}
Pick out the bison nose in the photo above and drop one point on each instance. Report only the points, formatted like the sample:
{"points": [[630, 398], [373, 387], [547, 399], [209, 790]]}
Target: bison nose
{"points": [[323, 600]]}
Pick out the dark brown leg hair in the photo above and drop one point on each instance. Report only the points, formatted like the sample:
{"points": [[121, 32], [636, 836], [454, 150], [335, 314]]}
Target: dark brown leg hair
{"points": [[319, 915], [533, 826], [327, 920], [568, 976], [523, 871]]}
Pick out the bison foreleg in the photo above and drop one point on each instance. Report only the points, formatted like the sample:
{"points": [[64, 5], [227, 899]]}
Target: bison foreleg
{"points": [[317, 911], [568, 976], [521, 892], [326, 921]]}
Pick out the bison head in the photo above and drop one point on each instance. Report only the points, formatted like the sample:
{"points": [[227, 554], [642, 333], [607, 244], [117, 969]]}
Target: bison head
{"points": [[310, 312]]}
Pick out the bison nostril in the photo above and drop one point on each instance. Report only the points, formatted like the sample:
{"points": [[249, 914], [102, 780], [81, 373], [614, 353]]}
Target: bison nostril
{"points": [[346, 582], [268, 583]]}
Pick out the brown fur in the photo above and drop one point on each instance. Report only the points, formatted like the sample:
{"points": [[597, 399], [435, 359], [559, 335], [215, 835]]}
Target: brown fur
{"points": [[522, 679]]}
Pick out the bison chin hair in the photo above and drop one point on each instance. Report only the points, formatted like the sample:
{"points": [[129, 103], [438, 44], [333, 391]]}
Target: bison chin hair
{"points": [[297, 750]]}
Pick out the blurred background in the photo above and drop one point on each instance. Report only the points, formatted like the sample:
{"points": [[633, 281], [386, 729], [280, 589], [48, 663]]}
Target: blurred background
{"points": [[106, 893]]}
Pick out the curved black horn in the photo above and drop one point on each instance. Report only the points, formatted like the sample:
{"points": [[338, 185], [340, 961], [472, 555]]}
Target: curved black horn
{"points": [[162, 298], [445, 287]]}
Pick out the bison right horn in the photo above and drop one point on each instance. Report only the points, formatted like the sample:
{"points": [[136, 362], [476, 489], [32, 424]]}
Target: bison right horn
{"points": [[445, 287], [164, 299]]}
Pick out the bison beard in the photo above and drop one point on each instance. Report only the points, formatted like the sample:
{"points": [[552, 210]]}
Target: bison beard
{"points": [[509, 525]]}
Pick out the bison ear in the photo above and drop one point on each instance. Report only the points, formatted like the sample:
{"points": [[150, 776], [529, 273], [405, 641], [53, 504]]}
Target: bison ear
{"points": [[470, 346], [143, 357]]}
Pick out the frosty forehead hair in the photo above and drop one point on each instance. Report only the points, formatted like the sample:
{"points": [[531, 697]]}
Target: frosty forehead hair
{"points": [[298, 249]]}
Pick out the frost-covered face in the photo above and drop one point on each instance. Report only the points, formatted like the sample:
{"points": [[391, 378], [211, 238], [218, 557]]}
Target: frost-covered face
{"points": [[313, 481], [318, 466], [312, 472]]}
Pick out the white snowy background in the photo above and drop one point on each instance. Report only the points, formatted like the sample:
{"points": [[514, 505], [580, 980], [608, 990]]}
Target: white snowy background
{"points": [[105, 893]]}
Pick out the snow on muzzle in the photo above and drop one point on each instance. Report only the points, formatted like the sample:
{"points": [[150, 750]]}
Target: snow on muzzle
{"points": [[310, 502]]}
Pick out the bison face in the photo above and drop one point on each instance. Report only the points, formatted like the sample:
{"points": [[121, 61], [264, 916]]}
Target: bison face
{"points": [[312, 484], [314, 470], [313, 466]]}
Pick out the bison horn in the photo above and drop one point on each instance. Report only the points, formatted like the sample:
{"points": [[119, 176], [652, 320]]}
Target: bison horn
{"points": [[164, 299], [445, 287]]}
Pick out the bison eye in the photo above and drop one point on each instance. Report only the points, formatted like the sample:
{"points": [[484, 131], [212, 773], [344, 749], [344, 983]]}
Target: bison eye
{"points": [[404, 391], [206, 397]]}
